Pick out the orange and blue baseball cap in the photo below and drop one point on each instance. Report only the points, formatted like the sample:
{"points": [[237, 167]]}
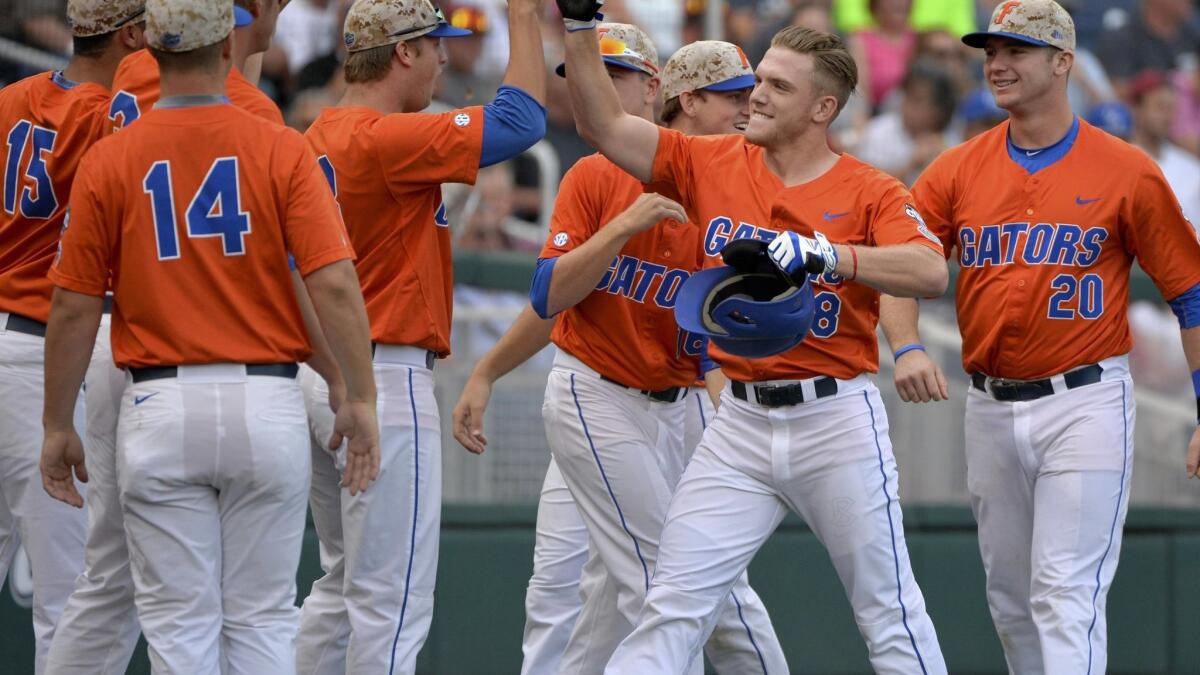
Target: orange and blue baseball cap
{"points": [[625, 46], [377, 23], [1042, 23]]}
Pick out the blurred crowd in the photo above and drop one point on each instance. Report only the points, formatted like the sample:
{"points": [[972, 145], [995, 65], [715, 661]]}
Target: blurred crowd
{"points": [[1137, 75]]}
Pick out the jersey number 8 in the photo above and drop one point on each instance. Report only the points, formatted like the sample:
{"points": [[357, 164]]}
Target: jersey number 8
{"points": [[215, 209]]}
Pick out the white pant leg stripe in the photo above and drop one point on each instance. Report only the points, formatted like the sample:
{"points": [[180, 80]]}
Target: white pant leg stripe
{"points": [[700, 406], [637, 549], [1113, 528], [892, 528], [749, 633], [412, 543]]}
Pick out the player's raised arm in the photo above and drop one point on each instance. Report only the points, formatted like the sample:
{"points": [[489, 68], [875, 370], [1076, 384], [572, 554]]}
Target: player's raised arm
{"points": [[629, 141], [526, 59]]}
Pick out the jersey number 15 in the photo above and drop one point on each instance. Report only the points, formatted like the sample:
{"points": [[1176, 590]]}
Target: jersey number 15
{"points": [[37, 201], [215, 209]]}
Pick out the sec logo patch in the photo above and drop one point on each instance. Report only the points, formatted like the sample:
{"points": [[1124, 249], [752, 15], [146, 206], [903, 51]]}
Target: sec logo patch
{"points": [[561, 239], [462, 119]]}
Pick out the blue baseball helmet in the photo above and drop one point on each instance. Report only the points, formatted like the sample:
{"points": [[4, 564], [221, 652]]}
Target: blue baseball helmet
{"points": [[748, 307]]}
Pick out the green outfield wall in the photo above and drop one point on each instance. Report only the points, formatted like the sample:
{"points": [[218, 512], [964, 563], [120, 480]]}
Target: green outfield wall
{"points": [[1154, 606]]}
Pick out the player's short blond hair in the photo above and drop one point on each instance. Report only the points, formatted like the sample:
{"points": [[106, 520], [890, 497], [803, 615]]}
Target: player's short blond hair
{"points": [[207, 57], [834, 69], [373, 64]]}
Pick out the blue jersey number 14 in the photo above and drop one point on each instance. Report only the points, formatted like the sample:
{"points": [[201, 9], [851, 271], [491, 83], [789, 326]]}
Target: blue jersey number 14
{"points": [[215, 209]]}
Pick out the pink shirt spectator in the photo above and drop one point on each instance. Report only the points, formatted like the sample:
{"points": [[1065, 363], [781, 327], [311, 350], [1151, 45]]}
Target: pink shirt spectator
{"points": [[1186, 129], [887, 61]]}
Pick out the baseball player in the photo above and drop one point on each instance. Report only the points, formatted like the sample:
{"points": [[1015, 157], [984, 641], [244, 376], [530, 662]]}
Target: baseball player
{"points": [[212, 437], [98, 629], [385, 162], [705, 86], [49, 121], [135, 87], [804, 430], [1047, 214]]}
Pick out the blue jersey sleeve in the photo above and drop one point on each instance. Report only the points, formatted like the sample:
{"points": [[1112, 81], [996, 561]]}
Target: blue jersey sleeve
{"points": [[512, 123], [1187, 308], [539, 291]]}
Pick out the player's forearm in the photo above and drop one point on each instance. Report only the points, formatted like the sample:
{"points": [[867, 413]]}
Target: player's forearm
{"points": [[322, 359], [527, 336], [628, 141], [70, 336], [577, 273], [526, 60], [898, 317], [714, 383], [338, 301], [907, 271]]}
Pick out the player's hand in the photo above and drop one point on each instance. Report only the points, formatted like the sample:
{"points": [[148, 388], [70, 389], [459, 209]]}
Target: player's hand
{"points": [[797, 255], [649, 210], [919, 379], [1193, 460], [62, 463], [468, 414], [580, 14], [356, 421]]}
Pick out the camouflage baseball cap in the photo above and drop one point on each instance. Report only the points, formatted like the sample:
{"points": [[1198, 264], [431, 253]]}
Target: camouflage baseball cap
{"points": [[625, 46], [1043, 23], [708, 64], [376, 23], [185, 25], [97, 17]]}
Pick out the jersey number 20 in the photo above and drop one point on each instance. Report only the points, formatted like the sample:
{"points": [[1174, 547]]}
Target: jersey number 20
{"points": [[37, 201], [215, 209]]}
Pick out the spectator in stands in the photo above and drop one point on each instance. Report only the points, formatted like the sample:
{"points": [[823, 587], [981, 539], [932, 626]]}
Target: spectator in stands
{"points": [[1185, 131], [957, 17], [979, 112], [1153, 100], [814, 14], [1160, 37], [883, 51], [1114, 117], [307, 106], [905, 141], [956, 58], [460, 85], [308, 30], [490, 224], [39, 23]]}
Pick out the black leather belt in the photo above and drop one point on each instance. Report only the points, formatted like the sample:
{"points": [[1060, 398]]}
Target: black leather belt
{"points": [[108, 304], [669, 395], [778, 396], [1029, 390], [26, 325], [430, 357], [287, 370]]}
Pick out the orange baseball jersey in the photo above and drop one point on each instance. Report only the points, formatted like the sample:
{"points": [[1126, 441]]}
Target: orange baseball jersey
{"points": [[386, 172], [726, 186], [625, 329], [136, 89], [1044, 259], [195, 210], [49, 123]]}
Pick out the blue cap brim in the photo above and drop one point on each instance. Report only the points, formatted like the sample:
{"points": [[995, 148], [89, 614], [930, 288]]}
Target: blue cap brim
{"points": [[561, 70], [445, 30], [979, 40], [689, 303], [242, 17], [733, 84]]}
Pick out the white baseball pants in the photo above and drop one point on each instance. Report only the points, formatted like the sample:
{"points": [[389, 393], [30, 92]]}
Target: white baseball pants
{"points": [[98, 629], [621, 456], [1049, 482], [371, 611], [213, 468], [53, 532], [699, 414], [830, 461]]}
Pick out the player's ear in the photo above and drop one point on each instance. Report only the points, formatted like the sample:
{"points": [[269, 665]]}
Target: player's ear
{"points": [[1063, 63], [406, 52], [133, 36], [825, 109], [652, 86], [227, 47], [687, 103]]}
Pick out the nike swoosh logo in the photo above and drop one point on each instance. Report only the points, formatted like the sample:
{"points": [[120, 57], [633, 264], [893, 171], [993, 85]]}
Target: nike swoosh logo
{"points": [[1032, 153], [138, 400], [834, 216], [1084, 202]]}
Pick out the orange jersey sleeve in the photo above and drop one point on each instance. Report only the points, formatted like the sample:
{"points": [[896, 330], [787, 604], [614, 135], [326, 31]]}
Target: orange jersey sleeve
{"points": [[1044, 258], [194, 212], [49, 125], [625, 329], [136, 89], [386, 171]]}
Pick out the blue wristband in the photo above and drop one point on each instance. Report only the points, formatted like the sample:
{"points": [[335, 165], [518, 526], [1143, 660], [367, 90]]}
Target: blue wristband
{"points": [[915, 347], [1196, 388]]}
